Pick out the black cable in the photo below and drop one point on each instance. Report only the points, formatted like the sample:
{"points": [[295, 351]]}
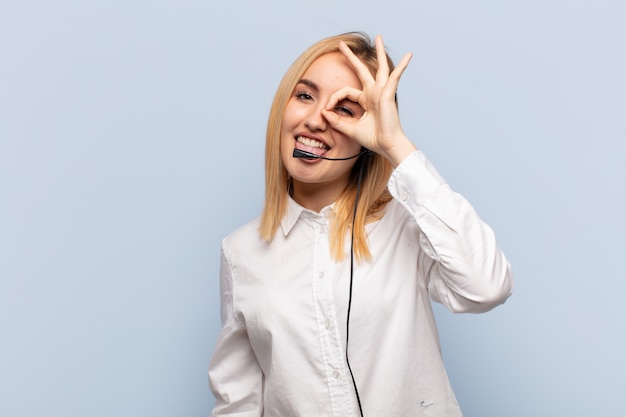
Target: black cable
{"points": [[298, 153], [356, 202]]}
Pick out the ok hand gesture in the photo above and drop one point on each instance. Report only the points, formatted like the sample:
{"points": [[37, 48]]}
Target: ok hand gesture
{"points": [[379, 128]]}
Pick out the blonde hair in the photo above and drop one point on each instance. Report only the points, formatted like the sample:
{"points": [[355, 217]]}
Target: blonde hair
{"points": [[376, 170]]}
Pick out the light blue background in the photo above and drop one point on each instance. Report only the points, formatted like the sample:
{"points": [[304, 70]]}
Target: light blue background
{"points": [[131, 142]]}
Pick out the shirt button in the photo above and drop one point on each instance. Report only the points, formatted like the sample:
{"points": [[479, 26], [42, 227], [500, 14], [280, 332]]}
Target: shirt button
{"points": [[335, 374], [321, 275], [404, 196], [327, 324]]}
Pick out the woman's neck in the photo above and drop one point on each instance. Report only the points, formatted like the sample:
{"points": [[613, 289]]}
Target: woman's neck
{"points": [[316, 196]]}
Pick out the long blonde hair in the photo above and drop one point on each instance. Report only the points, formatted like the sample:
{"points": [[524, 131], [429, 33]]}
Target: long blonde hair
{"points": [[374, 194]]}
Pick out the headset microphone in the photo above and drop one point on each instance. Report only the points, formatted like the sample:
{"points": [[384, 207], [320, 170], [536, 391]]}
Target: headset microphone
{"points": [[299, 153]]}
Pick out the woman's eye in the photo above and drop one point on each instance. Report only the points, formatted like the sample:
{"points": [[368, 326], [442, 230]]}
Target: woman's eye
{"points": [[304, 96], [344, 110]]}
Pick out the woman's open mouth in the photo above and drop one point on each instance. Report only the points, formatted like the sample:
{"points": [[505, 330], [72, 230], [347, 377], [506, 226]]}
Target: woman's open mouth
{"points": [[314, 146]]}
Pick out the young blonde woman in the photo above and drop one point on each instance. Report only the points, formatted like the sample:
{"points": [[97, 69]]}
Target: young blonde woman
{"points": [[325, 299]]}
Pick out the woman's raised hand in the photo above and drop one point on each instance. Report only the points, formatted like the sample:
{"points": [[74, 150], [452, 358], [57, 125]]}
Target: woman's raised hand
{"points": [[379, 128]]}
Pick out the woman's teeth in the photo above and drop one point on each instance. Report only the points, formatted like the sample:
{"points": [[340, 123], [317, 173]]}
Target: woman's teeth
{"points": [[311, 142]]}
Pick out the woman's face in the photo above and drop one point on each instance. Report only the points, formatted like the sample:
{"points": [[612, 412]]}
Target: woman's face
{"points": [[304, 127]]}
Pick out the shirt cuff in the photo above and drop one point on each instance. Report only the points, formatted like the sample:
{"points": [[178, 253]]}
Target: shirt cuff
{"points": [[414, 180]]}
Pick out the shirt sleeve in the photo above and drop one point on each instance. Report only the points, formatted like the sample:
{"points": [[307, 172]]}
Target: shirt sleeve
{"points": [[235, 377], [464, 268]]}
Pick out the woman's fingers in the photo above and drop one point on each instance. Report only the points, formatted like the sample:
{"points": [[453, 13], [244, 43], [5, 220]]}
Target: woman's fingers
{"points": [[359, 67], [347, 93], [345, 125], [383, 66], [376, 123], [382, 74], [386, 82], [404, 62], [335, 115], [394, 78]]}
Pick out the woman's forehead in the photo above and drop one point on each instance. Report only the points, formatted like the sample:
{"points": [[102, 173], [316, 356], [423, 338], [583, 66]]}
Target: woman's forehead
{"points": [[332, 71]]}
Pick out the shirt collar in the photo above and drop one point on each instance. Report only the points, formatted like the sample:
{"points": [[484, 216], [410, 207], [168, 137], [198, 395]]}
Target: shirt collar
{"points": [[291, 216], [295, 211]]}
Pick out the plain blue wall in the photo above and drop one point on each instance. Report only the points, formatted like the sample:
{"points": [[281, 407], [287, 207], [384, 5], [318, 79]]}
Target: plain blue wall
{"points": [[131, 142]]}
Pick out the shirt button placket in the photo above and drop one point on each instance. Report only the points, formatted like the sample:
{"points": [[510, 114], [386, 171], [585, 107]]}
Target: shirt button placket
{"points": [[331, 346]]}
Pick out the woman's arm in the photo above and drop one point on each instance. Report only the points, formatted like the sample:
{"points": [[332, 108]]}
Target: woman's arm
{"points": [[235, 377], [464, 268]]}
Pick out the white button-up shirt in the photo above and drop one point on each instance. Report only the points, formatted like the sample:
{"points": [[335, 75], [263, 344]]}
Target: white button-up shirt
{"points": [[281, 352]]}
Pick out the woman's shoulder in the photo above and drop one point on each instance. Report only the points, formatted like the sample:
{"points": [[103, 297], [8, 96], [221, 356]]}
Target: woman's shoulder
{"points": [[243, 235], [245, 247]]}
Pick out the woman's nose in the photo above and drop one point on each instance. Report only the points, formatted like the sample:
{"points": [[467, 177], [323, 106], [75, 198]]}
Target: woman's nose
{"points": [[315, 121]]}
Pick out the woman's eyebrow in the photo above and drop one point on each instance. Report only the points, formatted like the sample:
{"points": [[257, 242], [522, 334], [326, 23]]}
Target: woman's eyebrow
{"points": [[309, 84]]}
